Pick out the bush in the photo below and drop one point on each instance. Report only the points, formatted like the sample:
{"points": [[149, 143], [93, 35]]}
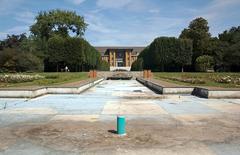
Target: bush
{"points": [[203, 63], [12, 60], [28, 62], [103, 66], [137, 65]]}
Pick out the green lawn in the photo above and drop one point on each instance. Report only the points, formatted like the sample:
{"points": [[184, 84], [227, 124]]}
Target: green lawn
{"points": [[46, 79], [225, 80]]}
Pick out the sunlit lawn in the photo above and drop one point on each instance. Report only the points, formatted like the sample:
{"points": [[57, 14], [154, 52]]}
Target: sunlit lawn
{"points": [[226, 80], [48, 79]]}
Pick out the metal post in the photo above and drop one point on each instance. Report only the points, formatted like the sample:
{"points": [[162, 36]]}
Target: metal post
{"points": [[121, 124]]}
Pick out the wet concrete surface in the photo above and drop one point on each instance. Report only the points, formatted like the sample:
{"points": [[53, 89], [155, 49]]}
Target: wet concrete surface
{"points": [[80, 124]]}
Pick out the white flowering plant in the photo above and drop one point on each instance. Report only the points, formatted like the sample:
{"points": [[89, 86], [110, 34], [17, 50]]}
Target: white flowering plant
{"points": [[18, 78]]}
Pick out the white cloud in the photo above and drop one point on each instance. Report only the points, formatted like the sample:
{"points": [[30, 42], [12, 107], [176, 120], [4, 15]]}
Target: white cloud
{"points": [[131, 31], [18, 29], [76, 2], [26, 17], [98, 23]]}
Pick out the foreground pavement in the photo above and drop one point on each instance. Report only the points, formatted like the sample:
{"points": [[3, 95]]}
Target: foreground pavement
{"points": [[85, 123]]}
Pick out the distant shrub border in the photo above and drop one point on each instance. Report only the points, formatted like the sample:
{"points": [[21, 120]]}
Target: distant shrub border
{"points": [[18, 78]]}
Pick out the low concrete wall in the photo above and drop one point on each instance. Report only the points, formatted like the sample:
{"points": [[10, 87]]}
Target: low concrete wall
{"points": [[21, 93], [156, 88], [177, 90], [224, 94], [197, 91], [165, 90], [122, 68], [105, 74]]}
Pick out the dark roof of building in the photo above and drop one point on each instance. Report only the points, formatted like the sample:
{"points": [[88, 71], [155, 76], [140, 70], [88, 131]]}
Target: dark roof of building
{"points": [[135, 50]]}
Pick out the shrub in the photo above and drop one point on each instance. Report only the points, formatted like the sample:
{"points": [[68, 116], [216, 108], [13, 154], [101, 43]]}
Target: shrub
{"points": [[103, 66], [203, 63], [137, 65]]}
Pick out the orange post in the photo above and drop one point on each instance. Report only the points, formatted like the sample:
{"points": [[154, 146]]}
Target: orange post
{"points": [[145, 74], [94, 73], [149, 74], [90, 75]]}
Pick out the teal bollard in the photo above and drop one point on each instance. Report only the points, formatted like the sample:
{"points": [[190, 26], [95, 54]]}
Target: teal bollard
{"points": [[121, 124]]}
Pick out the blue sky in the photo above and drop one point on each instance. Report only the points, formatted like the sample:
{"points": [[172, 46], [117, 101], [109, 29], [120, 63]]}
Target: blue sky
{"points": [[124, 22]]}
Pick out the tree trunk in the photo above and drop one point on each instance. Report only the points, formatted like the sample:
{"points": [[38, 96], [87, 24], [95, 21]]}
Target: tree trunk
{"points": [[57, 67], [182, 69]]}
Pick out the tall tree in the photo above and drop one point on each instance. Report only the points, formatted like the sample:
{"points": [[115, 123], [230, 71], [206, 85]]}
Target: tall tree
{"points": [[56, 51], [231, 53], [166, 53], [183, 53], [198, 32], [74, 52], [58, 22]]}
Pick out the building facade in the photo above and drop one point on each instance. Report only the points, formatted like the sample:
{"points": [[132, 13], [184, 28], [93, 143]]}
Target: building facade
{"points": [[120, 58]]}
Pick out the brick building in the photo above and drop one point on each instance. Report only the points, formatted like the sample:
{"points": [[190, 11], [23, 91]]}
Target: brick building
{"points": [[119, 58]]}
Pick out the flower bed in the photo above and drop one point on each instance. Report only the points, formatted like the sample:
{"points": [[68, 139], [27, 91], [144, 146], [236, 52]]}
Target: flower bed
{"points": [[188, 80], [18, 78], [227, 79]]}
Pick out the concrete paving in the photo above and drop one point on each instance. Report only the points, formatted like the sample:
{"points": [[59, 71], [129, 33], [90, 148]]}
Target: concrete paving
{"points": [[103, 102]]}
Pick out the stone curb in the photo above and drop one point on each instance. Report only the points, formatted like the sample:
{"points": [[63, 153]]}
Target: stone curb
{"points": [[197, 91], [32, 93]]}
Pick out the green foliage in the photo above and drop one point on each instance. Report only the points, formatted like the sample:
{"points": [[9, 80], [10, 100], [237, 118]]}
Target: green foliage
{"points": [[27, 61], [58, 22], [12, 60], [76, 53], [231, 49], [14, 41], [198, 32], [183, 53], [204, 62], [103, 66], [56, 49], [137, 65], [166, 52]]}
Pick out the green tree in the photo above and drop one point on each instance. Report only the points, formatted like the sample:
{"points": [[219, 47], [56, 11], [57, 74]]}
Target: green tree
{"points": [[166, 53], [230, 40], [183, 53], [13, 60], [198, 32], [103, 66], [204, 62], [137, 65], [13, 41], [56, 51], [74, 52], [58, 22], [8, 58], [26, 61]]}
